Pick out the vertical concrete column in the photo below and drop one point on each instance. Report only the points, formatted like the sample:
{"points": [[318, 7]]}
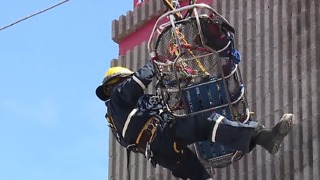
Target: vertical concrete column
{"points": [[145, 11], [136, 57], [159, 6], [137, 20], [114, 62], [123, 173], [315, 83], [152, 7], [115, 31], [115, 149], [129, 59], [122, 25], [129, 22], [112, 155]]}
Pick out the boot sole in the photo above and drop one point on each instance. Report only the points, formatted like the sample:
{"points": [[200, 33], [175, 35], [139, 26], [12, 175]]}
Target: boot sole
{"points": [[282, 131]]}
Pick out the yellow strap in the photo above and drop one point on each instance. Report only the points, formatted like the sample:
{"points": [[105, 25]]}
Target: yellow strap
{"points": [[110, 121], [191, 52], [175, 148], [144, 128], [172, 8]]}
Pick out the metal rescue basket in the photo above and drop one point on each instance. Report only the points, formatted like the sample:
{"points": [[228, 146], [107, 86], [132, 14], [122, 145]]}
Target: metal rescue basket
{"points": [[197, 68]]}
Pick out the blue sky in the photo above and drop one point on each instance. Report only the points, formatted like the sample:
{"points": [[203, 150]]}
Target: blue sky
{"points": [[52, 125]]}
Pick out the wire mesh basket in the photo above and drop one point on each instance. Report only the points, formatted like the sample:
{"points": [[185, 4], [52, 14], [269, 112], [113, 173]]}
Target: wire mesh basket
{"points": [[197, 68]]}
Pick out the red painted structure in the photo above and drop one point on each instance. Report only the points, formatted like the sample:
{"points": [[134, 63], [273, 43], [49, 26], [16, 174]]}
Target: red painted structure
{"points": [[143, 34]]}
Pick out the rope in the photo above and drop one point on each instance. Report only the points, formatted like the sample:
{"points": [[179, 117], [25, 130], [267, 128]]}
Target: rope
{"points": [[170, 6], [37, 13]]}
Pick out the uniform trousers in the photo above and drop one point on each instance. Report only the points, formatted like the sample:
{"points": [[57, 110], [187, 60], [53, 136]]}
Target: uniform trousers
{"points": [[170, 146]]}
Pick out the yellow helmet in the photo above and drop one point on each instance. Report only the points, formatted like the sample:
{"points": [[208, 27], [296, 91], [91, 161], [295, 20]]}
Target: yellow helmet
{"points": [[113, 76]]}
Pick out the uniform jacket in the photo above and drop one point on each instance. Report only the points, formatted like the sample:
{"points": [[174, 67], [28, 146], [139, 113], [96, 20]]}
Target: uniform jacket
{"points": [[129, 107]]}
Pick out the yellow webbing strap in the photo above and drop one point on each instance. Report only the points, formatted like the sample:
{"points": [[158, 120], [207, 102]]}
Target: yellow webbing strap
{"points": [[111, 122], [145, 127], [182, 37]]}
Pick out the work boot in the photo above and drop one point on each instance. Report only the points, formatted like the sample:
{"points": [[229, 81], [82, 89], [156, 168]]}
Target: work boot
{"points": [[271, 139]]}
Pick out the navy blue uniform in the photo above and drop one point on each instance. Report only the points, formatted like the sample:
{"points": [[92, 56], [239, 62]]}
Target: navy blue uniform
{"points": [[130, 109]]}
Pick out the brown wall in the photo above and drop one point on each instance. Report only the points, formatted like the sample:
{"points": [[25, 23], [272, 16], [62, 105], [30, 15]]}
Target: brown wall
{"points": [[279, 42]]}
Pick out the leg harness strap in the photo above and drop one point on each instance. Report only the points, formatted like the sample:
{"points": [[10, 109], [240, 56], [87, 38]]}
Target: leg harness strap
{"points": [[146, 136]]}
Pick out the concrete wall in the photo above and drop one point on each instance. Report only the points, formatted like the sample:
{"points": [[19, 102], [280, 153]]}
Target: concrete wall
{"points": [[279, 42]]}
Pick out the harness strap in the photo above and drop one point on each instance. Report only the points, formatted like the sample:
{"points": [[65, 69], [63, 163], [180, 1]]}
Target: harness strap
{"points": [[128, 163], [147, 134], [148, 130], [145, 138], [142, 144]]}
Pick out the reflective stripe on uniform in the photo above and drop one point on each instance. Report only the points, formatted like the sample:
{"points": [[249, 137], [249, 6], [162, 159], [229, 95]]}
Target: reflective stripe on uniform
{"points": [[137, 80], [125, 127], [215, 128]]}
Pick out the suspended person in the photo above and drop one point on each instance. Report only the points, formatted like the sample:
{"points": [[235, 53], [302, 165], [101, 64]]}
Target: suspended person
{"points": [[140, 124]]}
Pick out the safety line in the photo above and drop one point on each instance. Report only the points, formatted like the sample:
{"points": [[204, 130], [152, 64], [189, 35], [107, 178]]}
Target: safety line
{"points": [[25, 18]]}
